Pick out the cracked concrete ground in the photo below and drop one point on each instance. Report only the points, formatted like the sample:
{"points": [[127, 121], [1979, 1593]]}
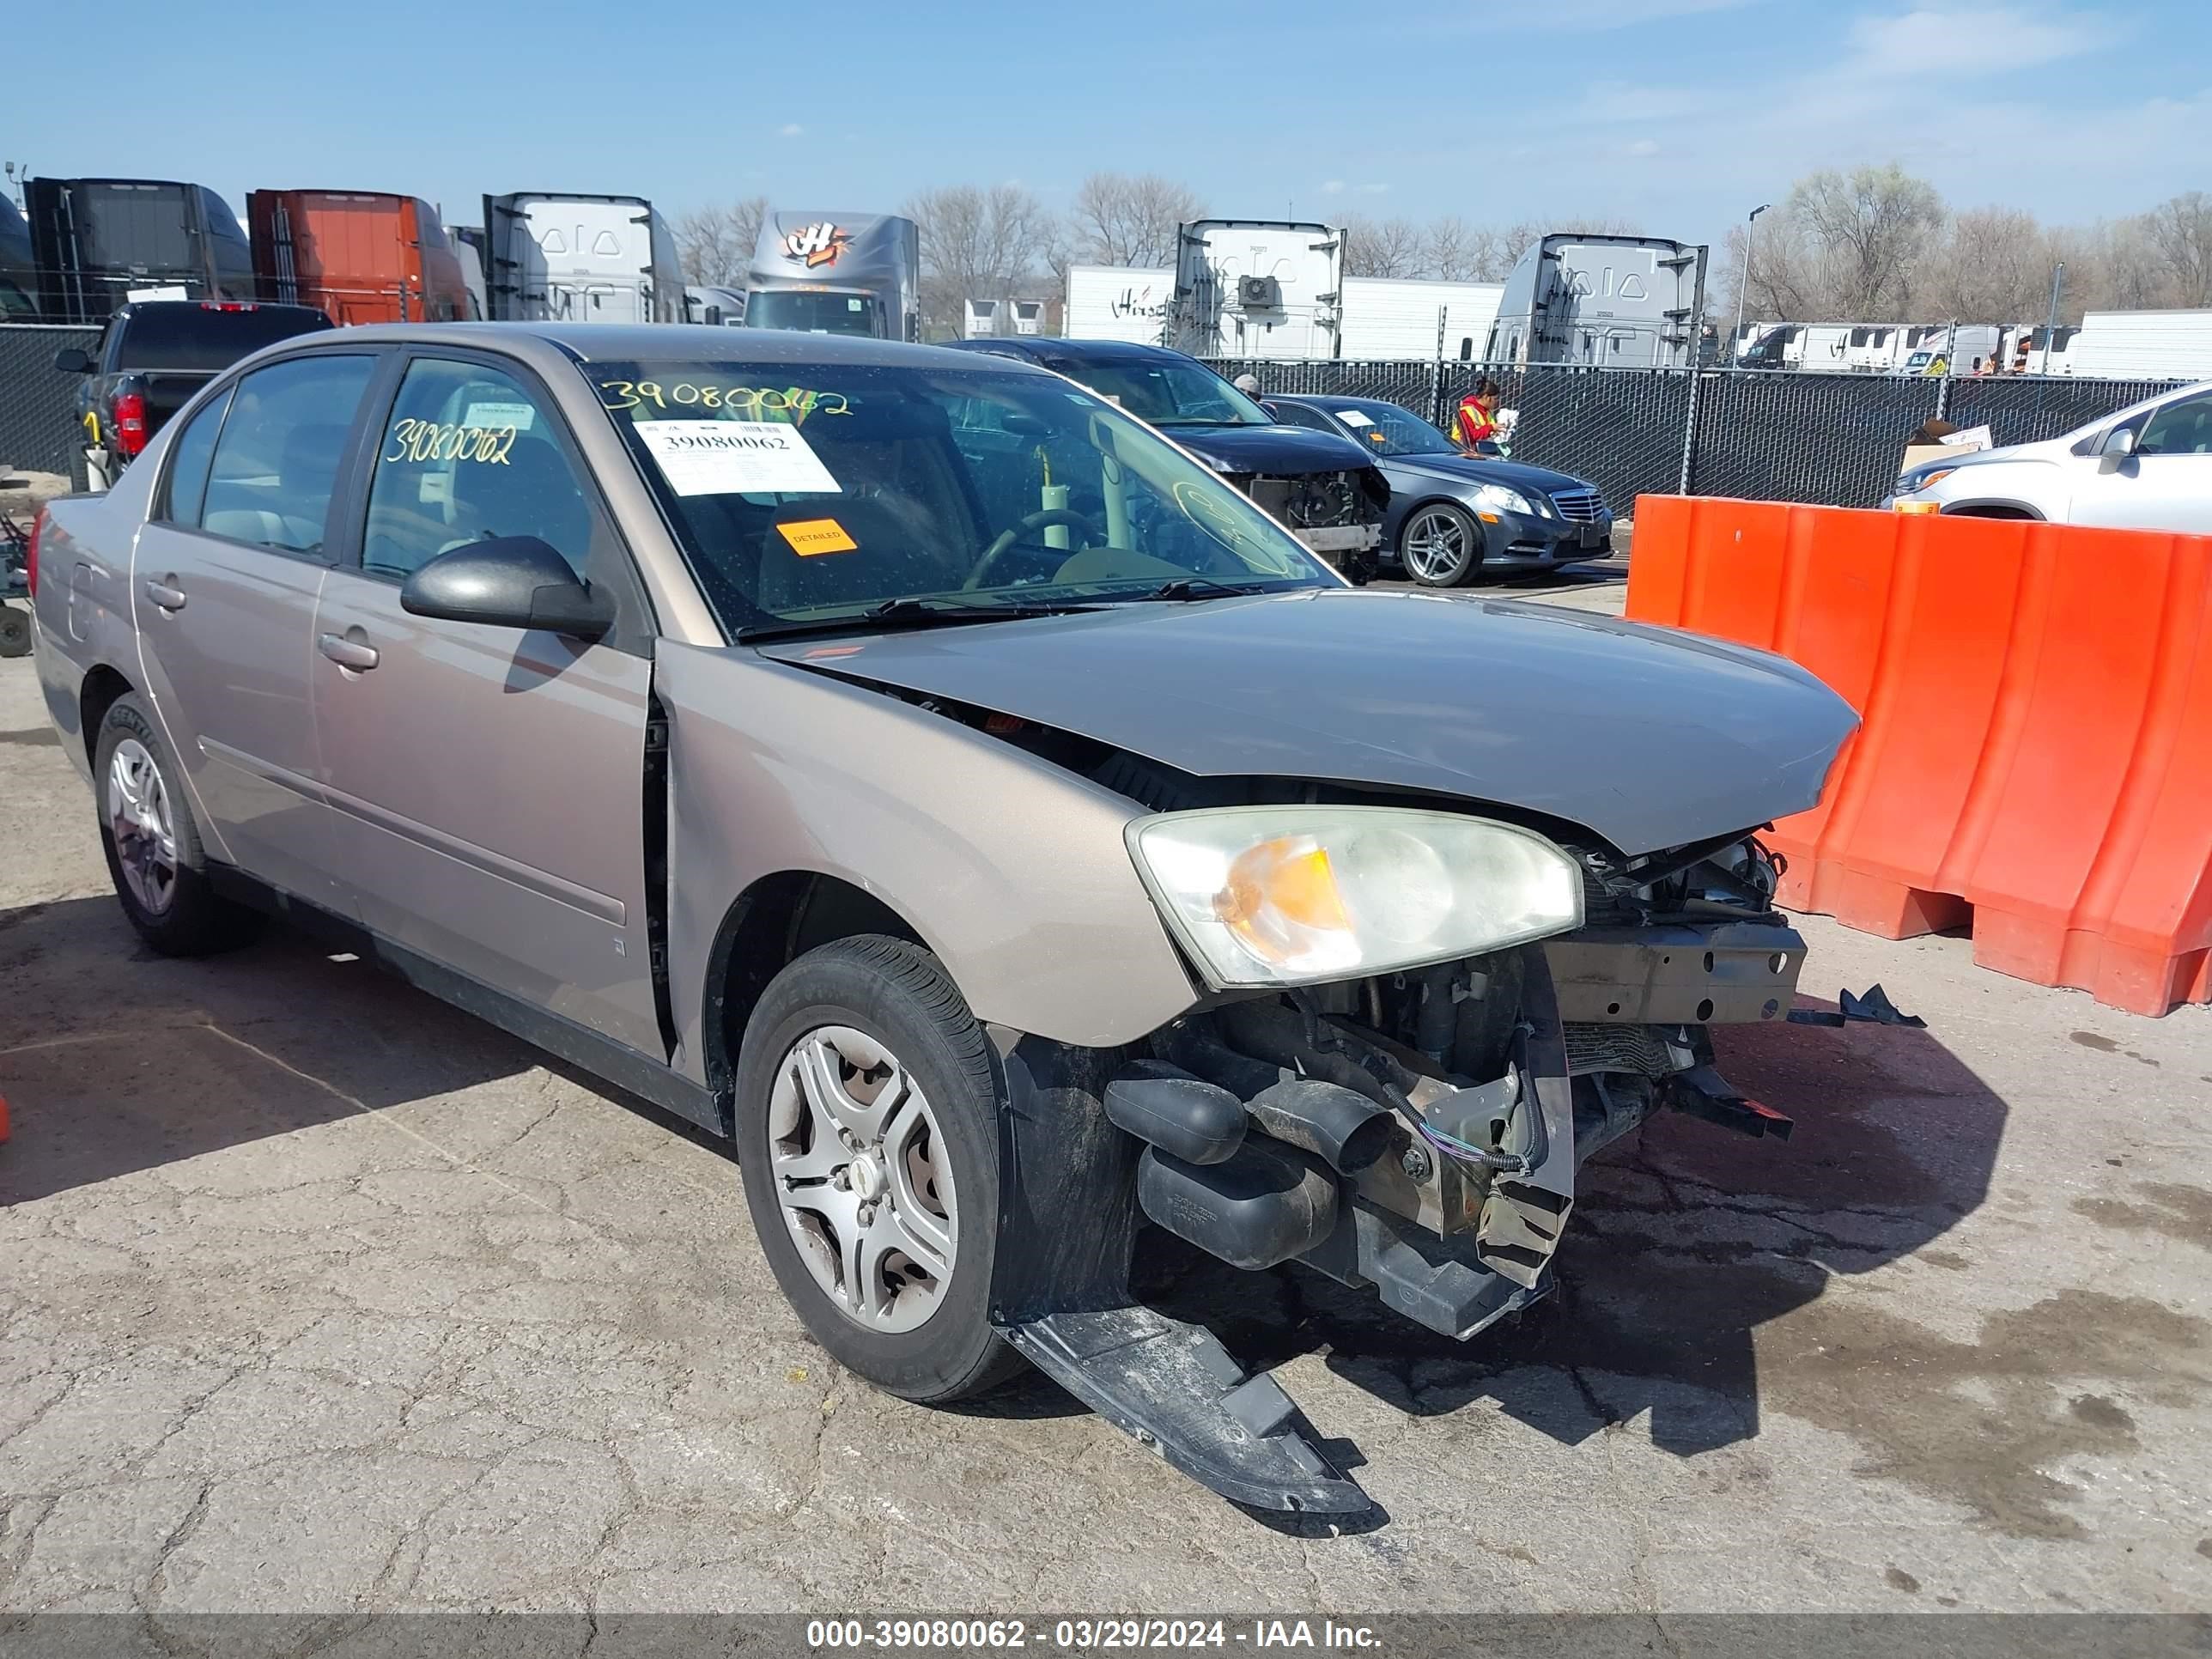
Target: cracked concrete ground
{"points": [[317, 1296]]}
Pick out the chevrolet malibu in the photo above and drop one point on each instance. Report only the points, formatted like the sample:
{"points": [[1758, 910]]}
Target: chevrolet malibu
{"points": [[760, 722]]}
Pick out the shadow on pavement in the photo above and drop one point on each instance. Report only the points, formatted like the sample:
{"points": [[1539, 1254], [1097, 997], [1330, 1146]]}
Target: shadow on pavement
{"points": [[114, 1059], [1685, 1239]]}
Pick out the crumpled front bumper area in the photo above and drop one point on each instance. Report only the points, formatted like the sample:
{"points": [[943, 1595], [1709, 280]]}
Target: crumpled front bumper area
{"points": [[1416, 1136]]}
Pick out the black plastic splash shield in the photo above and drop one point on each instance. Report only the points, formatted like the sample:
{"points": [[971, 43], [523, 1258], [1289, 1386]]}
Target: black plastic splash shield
{"points": [[1174, 1389]]}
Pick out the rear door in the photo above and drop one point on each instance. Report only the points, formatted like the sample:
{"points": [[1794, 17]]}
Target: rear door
{"points": [[224, 585], [488, 782], [2166, 484]]}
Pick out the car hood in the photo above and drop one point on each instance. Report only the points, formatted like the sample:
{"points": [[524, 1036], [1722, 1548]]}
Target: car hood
{"points": [[1476, 469], [1647, 737], [1282, 452]]}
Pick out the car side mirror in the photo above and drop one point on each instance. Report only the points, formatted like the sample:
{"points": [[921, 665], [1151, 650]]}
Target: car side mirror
{"points": [[73, 359], [508, 581], [2119, 444]]}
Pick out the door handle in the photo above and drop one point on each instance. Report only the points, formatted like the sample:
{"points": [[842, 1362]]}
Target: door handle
{"points": [[163, 594], [348, 653]]}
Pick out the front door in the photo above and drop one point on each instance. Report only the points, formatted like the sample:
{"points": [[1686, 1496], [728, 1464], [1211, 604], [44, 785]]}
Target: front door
{"points": [[488, 783], [229, 569], [2166, 484]]}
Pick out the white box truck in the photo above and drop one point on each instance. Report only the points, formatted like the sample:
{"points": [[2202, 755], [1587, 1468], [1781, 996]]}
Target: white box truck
{"points": [[579, 260], [1129, 303], [1387, 318], [1257, 288], [2141, 345]]}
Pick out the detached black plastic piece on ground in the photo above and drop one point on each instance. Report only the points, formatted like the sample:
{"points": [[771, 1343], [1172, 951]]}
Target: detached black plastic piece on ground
{"points": [[1875, 1008], [1174, 1389]]}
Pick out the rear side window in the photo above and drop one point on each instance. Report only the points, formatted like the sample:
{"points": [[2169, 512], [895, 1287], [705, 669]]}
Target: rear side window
{"points": [[470, 452], [278, 461], [188, 463]]}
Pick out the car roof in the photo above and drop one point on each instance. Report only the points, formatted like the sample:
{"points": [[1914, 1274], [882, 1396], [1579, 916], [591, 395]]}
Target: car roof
{"points": [[683, 343], [1324, 399], [1042, 350]]}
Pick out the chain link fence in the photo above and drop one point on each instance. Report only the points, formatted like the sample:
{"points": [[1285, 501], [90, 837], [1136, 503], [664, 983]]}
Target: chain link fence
{"points": [[38, 402], [1835, 440]]}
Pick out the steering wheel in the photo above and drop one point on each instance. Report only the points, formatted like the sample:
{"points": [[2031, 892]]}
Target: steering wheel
{"points": [[1008, 537]]}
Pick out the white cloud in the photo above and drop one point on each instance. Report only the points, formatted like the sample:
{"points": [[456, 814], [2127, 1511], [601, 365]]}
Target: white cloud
{"points": [[1643, 147], [1375, 190], [1973, 40], [1333, 187], [789, 129]]}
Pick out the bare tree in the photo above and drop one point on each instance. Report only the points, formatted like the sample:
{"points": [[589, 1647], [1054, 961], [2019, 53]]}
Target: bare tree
{"points": [[1384, 247], [1992, 265], [715, 244], [2181, 232], [979, 242], [1120, 219], [1453, 251], [1867, 228]]}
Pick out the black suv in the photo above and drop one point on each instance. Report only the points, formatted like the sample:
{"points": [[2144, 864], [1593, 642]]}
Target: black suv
{"points": [[1325, 490]]}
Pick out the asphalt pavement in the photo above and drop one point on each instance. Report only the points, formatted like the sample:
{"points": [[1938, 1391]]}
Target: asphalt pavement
{"points": [[317, 1297]]}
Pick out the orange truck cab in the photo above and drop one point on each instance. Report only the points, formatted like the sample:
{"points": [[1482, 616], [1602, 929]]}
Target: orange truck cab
{"points": [[362, 257]]}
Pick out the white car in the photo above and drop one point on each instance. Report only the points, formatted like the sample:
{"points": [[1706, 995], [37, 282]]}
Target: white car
{"points": [[2146, 468]]}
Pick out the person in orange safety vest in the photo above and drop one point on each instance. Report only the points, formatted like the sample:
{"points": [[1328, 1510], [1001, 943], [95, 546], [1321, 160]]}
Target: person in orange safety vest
{"points": [[1477, 420]]}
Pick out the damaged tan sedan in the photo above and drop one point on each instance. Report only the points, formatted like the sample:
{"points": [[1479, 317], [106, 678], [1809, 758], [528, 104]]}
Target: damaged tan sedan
{"points": [[913, 767]]}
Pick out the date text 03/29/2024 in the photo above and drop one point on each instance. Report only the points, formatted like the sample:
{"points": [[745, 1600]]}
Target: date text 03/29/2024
{"points": [[1086, 1635]]}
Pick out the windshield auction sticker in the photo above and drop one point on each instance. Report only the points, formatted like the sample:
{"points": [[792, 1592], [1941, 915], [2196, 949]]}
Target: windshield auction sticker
{"points": [[736, 457]]}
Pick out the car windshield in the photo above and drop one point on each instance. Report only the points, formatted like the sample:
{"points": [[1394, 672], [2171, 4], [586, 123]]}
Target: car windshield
{"points": [[1387, 430], [1168, 394], [813, 493], [810, 311]]}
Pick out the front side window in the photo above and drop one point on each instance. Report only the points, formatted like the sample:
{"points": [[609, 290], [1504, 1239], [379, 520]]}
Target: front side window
{"points": [[469, 454], [189, 459], [276, 464], [2182, 428], [802, 492]]}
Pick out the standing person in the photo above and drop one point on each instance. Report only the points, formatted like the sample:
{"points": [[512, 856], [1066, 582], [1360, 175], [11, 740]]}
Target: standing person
{"points": [[1477, 420]]}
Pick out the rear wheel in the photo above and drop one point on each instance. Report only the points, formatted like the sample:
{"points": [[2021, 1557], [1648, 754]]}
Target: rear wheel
{"points": [[867, 1135], [1439, 546], [153, 845], [14, 632]]}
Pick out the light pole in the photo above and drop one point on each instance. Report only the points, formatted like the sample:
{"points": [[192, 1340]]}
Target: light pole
{"points": [[1743, 283]]}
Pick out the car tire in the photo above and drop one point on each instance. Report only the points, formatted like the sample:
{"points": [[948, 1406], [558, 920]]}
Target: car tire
{"points": [[14, 632], [1439, 546], [152, 842], [852, 1227]]}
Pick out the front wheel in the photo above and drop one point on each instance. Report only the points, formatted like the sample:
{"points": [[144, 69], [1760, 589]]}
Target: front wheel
{"points": [[1439, 546], [867, 1110]]}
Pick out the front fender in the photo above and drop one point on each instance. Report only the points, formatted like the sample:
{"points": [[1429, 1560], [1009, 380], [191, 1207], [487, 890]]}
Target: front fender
{"points": [[1014, 872]]}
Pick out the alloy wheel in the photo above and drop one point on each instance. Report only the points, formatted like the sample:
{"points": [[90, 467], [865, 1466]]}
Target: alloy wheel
{"points": [[138, 818], [1434, 544]]}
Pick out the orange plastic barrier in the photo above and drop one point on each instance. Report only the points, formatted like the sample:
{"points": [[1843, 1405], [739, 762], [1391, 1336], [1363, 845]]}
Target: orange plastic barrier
{"points": [[2037, 741]]}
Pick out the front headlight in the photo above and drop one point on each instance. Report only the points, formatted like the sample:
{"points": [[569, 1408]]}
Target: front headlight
{"points": [[1920, 479], [1498, 499], [1291, 894]]}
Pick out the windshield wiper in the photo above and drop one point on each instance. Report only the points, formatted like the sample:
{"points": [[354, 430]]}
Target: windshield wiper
{"points": [[894, 615], [1200, 588]]}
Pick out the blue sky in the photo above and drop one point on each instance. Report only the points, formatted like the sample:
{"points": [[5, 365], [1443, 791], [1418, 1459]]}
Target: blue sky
{"points": [[1678, 114]]}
